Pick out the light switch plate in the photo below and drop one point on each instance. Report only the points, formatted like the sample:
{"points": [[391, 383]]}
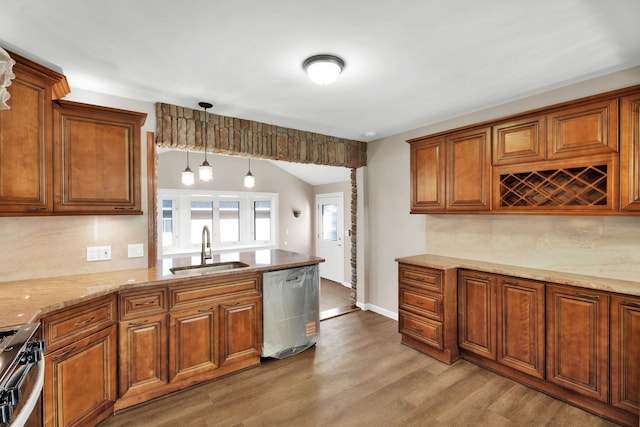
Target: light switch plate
{"points": [[98, 253], [135, 250]]}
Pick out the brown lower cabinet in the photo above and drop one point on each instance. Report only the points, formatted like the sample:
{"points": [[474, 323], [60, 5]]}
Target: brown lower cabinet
{"points": [[502, 318], [625, 353], [578, 340], [427, 311], [80, 383], [192, 331], [577, 344]]}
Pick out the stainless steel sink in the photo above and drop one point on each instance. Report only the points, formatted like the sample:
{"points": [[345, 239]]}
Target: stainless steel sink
{"points": [[207, 268]]}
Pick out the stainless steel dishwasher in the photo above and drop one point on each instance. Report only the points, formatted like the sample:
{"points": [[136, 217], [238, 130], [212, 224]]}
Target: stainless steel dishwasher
{"points": [[290, 311]]}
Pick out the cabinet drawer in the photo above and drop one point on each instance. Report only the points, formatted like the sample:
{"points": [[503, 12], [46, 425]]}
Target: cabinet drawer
{"points": [[422, 329], [142, 303], [421, 277], [202, 291], [69, 325], [425, 304]]}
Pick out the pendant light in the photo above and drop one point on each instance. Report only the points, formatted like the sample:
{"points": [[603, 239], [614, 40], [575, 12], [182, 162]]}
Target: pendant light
{"points": [[187, 174], [249, 179], [205, 171]]}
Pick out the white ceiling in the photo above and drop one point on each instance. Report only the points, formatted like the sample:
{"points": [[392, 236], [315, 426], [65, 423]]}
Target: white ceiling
{"points": [[410, 63]]}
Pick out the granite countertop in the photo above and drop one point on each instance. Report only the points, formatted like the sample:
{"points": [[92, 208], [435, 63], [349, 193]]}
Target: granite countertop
{"points": [[25, 301], [592, 282]]}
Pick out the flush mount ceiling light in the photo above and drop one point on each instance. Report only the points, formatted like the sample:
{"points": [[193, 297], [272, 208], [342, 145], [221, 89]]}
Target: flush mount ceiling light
{"points": [[323, 69], [249, 179], [205, 171]]}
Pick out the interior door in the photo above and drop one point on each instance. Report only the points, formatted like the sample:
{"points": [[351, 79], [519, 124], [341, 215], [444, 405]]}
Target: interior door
{"points": [[329, 235]]}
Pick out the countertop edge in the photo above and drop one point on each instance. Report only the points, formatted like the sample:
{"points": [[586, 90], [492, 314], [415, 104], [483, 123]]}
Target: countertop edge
{"points": [[625, 287]]}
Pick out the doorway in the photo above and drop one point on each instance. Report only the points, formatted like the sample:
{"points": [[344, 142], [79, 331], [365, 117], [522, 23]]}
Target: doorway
{"points": [[335, 297], [330, 235]]}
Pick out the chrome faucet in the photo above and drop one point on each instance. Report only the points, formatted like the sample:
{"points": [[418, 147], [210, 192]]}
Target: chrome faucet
{"points": [[203, 255]]}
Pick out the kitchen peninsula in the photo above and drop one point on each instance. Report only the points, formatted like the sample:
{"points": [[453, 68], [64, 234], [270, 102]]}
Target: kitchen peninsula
{"points": [[121, 338]]}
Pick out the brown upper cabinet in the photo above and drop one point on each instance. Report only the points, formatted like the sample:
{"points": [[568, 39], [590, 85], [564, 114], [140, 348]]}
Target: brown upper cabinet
{"points": [[583, 130], [522, 140], [579, 157], [630, 153], [25, 139], [97, 159], [452, 172], [60, 157]]}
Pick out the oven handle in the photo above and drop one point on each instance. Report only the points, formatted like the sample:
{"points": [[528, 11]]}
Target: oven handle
{"points": [[32, 400]]}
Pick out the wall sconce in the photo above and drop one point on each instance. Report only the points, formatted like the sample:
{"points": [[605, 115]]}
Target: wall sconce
{"points": [[249, 179], [205, 171], [296, 212], [187, 174]]}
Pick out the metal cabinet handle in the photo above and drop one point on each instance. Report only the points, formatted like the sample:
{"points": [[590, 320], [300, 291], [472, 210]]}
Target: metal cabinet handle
{"points": [[33, 209], [141, 304], [123, 209], [591, 297], [631, 304], [139, 323], [509, 282], [208, 310], [232, 305], [84, 322], [60, 356]]}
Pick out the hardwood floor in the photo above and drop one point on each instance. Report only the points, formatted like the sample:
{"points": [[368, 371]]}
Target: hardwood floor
{"points": [[358, 375], [335, 299]]}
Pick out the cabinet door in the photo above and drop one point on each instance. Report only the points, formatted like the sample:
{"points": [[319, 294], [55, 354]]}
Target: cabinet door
{"points": [[630, 153], [193, 342], [520, 332], [25, 146], [520, 141], [578, 340], [469, 170], [143, 355], [625, 353], [97, 159], [428, 175], [80, 381], [583, 130], [241, 330], [477, 313]]}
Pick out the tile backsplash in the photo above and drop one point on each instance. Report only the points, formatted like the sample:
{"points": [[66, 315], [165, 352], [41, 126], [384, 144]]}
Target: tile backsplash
{"points": [[591, 245]]}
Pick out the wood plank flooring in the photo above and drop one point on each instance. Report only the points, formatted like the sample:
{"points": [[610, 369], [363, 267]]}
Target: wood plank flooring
{"points": [[333, 295], [358, 375]]}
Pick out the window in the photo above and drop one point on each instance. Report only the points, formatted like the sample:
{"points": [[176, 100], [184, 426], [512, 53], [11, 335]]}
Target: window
{"points": [[236, 221]]}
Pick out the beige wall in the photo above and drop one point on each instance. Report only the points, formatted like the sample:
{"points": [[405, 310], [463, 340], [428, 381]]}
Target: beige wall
{"points": [[295, 234], [599, 246], [345, 189]]}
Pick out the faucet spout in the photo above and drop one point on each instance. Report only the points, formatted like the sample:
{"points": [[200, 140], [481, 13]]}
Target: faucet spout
{"points": [[206, 244]]}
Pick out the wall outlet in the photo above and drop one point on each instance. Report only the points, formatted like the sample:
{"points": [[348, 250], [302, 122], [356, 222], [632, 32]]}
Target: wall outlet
{"points": [[135, 250], [98, 253]]}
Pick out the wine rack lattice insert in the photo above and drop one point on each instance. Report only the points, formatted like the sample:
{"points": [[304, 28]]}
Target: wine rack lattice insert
{"points": [[578, 186]]}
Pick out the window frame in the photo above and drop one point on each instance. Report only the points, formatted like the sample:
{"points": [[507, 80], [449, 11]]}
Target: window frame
{"points": [[181, 220]]}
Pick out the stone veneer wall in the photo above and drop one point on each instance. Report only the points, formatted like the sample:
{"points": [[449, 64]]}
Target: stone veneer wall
{"points": [[181, 127]]}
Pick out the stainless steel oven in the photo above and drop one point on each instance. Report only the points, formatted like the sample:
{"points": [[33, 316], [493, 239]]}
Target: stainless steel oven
{"points": [[21, 376]]}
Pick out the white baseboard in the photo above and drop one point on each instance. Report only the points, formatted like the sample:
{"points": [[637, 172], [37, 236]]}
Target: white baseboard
{"points": [[382, 311]]}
